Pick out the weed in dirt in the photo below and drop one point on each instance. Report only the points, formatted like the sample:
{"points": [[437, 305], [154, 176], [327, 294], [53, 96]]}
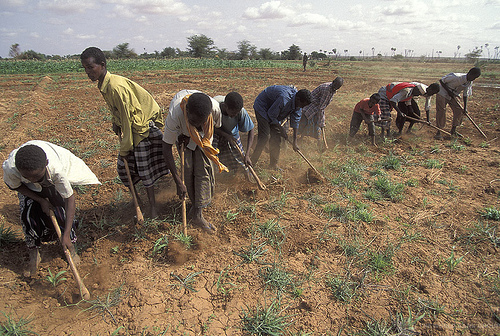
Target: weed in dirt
{"points": [[7, 235], [278, 203], [451, 186], [451, 262], [11, 327], [490, 213], [385, 189], [430, 308], [456, 146], [391, 161], [405, 325], [252, 253], [187, 283], [463, 169], [432, 164], [376, 328], [435, 149], [343, 288], [380, 262], [413, 182], [55, 279], [484, 144], [480, 232], [160, 246], [354, 249], [186, 240], [350, 174], [272, 231], [103, 306], [262, 320], [277, 278], [224, 284], [231, 216]]}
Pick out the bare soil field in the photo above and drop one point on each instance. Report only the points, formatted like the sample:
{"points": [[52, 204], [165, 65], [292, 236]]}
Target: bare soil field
{"points": [[399, 239]]}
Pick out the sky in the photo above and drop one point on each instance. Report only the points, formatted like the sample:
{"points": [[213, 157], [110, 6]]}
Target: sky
{"points": [[360, 27]]}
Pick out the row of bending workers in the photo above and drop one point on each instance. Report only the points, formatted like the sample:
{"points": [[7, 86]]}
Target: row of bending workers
{"points": [[209, 128]]}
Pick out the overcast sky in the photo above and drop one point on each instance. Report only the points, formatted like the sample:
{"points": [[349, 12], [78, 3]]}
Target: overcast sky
{"points": [[65, 27]]}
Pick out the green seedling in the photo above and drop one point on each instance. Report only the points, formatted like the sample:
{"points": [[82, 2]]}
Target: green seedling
{"points": [[160, 245], [55, 279], [7, 235], [187, 283], [186, 240], [265, 320], [11, 327]]}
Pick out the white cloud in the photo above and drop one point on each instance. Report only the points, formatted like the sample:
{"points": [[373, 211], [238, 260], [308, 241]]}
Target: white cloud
{"points": [[68, 31], [66, 6], [12, 3], [309, 19], [268, 11], [153, 7]]}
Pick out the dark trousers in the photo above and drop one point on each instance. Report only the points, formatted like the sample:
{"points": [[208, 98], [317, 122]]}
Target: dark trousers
{"points": [[266, 132], [356, 121], [400, 120]]}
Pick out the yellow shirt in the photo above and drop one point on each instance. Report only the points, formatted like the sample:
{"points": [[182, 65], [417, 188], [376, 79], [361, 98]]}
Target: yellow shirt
{"points": [[132, 107]]}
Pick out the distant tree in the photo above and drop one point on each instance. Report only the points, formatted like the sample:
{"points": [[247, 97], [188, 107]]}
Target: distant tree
{"points": [[345, 52], [168, 52], [246, 50], [15, 50], [393, 51], [223, 54], [334, 51], [123, 51], [32, 55], [294, 52], [373, 51], [266, 54], [200, 46], [317, 55], [474, 54]]}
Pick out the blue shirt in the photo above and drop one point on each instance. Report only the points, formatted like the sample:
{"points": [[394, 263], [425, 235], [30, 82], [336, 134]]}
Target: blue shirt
{"points": [[240, 123], [276, 103]]}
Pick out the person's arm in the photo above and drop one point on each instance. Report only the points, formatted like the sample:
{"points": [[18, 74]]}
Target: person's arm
{"points": [[69, 206], [294, 143], [229, 137], [169, 160], [45, 204], [395, 106]]}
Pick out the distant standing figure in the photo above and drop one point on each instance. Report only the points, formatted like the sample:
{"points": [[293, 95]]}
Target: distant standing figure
{"points": [[304, 61], [366, 110], [235, 119], [312, 122], [43, 175], [136, 119], [272, 107], [450, 87]]}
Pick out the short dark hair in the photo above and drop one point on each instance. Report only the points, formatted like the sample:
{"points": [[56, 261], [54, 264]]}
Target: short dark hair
{"points": [[30, 158], [234, 101], [199, 105], [304, 96], [432, 89], [475, 72], [94, 52], [375, 97]]}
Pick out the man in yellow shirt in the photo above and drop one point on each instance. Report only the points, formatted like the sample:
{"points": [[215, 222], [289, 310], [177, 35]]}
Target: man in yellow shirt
{"points": [[136, 119]]}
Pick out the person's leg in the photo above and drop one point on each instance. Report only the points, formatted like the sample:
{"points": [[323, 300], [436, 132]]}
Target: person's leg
{"points": [[415, 113], [356, 120], [440, 115], [274, 148], [263, 132], [457, 115], [200, 185]]}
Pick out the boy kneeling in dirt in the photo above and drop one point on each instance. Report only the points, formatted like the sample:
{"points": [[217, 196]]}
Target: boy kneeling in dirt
{"points": [[365, 111], [235, 119], [191, 120], [43, 175]]}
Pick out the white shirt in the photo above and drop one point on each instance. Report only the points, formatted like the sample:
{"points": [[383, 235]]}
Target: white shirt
{"points": [[456, 82], [64, 170], [175, 123]]}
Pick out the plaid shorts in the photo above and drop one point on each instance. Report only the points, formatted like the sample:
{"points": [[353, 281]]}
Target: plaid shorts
{"points": [[385, 108], [229, 155], [146, 162]]}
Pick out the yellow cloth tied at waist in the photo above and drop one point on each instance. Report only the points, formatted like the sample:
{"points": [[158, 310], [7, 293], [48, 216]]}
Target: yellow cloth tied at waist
{"points": [[204, 143]]}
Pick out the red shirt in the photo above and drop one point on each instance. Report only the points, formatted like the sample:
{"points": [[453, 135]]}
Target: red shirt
{"points": [[362, 106]]}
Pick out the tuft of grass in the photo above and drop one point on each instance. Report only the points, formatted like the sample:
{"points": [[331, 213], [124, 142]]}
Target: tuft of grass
{"points": [[391, 161], [11, 327], [432, 164], [357, 212], [265, 321], [160, 246], [481, 232], [103, 306], [490, 213], [277, 278], [7, 235], [272, 231], [350, 174], [187, 283], [55, 279], [343, 288], [384, 188], [186, 240], [252, 253]]}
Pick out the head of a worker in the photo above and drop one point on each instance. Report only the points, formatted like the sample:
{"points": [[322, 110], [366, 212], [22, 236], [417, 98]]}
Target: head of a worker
{"points": [[374, 99], [336, 84], [198, 109], [431, 90], [233, 103], [473, 74], [94, 63], [303, 98], [31, 162]]}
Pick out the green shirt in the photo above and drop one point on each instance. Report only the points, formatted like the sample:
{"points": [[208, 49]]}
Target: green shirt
{"points": [[132, 108]]}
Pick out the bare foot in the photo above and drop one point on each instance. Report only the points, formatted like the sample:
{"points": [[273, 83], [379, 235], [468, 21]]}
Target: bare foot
{"points": [[204, 224]]}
